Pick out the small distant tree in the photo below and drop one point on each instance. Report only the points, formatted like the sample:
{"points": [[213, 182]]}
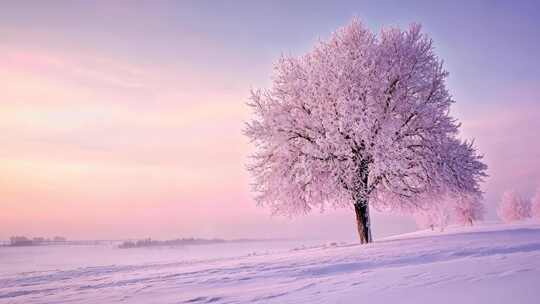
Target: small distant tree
{"points": [[513, 207], [463, 209], [360, 121], [425, 220], [468, 209], [535, 204], [436, 216]]}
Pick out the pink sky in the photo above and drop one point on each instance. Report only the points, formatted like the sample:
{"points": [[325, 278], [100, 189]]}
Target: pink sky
{"points": [[110, 141], [89, 141]]}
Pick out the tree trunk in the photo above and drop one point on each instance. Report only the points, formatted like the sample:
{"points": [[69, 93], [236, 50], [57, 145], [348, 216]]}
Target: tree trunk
{"points": [[363, 223], [361, 206]]}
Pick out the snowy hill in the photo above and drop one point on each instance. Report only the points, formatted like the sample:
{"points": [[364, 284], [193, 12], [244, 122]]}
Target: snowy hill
{"points": [[483, 264]]}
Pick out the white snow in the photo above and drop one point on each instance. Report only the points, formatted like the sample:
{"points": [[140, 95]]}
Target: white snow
{"points": [[481, 264]]}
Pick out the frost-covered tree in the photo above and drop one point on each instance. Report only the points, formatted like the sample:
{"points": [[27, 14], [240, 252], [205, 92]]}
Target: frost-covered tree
{"points": [[513, 207], [436, 215], [463, 209], [363, 121], [535, 205], [425, 220], [468, 209]]}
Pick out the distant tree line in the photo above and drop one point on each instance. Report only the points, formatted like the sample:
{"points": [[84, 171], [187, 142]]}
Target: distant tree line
{"points": [[25, 241], [148, 242]]}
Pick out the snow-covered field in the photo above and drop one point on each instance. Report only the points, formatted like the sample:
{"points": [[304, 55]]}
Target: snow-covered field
{"points": [[483, 264]]}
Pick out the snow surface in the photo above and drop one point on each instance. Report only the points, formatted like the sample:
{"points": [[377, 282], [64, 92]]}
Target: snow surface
{"points": [[482, 264]]}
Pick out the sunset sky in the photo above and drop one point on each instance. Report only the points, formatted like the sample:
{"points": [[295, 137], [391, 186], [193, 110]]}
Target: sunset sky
{"points": [[123, 118]]}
